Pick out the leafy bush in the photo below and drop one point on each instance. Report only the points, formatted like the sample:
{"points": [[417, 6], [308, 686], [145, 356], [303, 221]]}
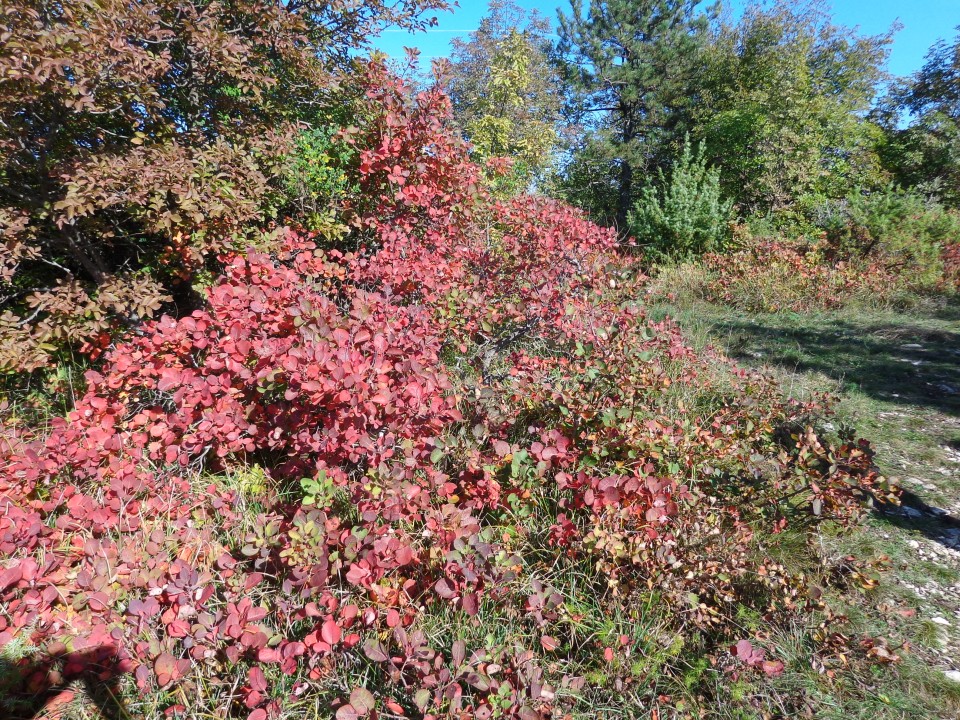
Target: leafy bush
{"points": [[951, 267], [686, 215], [280, 497], [773, 275], [163, 142], [888, 248], [315, 180]]}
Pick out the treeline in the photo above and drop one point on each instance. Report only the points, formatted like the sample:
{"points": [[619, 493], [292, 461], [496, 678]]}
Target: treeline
{"points": [[672, 122]]}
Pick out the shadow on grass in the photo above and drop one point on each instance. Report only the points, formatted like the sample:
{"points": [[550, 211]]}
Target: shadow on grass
{"points": [[904, 363], [46, 688], [908, 361], [948, 311], [914, 513]]}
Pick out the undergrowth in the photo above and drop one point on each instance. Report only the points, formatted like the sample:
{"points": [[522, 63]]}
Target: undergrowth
{"points": [[450, 468]]}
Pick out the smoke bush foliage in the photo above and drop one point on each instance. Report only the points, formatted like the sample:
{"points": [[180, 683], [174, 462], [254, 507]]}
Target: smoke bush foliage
{"points": [[686, 215], [466, 397], [150, 136]]}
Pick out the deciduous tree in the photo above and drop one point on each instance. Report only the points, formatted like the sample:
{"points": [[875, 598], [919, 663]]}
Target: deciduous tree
{"points": [[136, 135], [782, 98], [926, 151], [506, 94]]}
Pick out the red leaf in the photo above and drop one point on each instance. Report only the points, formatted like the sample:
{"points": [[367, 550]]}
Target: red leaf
{"points": [[743, 649], [362, 701], [347, 712], [257, 680], [444, 590], [549, 643], [404, 555], [269, 655], [773, 668], [331, 632], [10, 576], [375, 651], [168, 668], [252, 581], [471, 605]]}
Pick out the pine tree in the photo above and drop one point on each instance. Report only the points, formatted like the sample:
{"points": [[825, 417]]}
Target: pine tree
{"points": [[631, 61], [684, 215]]}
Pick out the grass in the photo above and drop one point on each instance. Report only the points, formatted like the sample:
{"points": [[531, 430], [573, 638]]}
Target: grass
{"points": [[896, 375]]}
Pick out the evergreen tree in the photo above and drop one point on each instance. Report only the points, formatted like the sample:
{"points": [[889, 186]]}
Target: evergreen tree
{"points": [[684, 215], [630, 62]]}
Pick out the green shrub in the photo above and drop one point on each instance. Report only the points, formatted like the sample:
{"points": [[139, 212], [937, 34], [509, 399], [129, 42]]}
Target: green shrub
{"points": [[686, 215], [315, 182], [901, 227]]}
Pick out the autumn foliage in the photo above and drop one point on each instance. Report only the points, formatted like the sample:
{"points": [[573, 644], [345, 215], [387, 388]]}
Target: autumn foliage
{"points": [[347, 437], [139, 139]]}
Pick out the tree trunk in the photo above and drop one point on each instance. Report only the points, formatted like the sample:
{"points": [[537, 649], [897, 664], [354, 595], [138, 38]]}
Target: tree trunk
{"points": [[86, 256], [624, 197], [625, 193]]}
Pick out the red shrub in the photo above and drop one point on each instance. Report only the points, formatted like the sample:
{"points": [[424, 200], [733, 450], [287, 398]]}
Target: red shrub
{"points": [[554, 395], [773, 275], [951, 264]]}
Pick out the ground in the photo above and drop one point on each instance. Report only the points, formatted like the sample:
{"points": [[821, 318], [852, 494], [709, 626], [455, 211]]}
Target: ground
{"points": [[897, 378]]}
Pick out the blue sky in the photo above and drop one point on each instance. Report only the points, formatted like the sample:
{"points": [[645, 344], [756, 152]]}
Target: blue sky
{"points": [[924, 22]]}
